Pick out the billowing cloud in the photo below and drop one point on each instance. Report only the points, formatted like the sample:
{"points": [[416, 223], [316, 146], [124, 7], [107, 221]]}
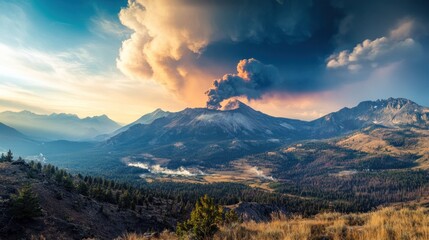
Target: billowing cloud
{"points": [[252, 80], [169, 36], [396, 46]]}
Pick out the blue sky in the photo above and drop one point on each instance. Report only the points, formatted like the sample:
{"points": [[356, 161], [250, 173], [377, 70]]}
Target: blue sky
{"points": [[298, 59]]}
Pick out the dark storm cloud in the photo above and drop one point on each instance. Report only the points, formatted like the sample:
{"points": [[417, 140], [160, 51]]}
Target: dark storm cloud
{"points": [[372, 19], [252, 79]]}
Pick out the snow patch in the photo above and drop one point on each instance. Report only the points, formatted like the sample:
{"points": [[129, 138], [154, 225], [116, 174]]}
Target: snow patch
{"points": [[232, 121]]}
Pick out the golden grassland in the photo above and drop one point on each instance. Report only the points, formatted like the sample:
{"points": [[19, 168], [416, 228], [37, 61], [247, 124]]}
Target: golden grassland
{"points": [[375, 143], [385, 224]]}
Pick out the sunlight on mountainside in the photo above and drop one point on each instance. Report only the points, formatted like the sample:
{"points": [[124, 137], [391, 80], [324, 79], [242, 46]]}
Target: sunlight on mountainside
{"points": [[393, 142]]}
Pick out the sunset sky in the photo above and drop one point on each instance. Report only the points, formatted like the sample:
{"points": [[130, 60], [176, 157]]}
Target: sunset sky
{"points": [[297, 58]]}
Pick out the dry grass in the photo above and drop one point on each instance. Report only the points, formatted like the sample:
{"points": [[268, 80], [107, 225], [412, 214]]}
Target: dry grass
{"points": [[385, 224], [166, 235], [388, 224], [369, 144]]}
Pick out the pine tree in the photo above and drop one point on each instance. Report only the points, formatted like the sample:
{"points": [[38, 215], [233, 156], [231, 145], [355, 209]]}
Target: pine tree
{"points": [[204, 222], [68, 183], [25, 205], [8, 157], [125, 200]]}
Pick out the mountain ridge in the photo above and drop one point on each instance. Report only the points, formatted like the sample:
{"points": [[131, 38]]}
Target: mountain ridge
{"points": [[144, 119], [58, 126], [360, 112], [391, 112]]}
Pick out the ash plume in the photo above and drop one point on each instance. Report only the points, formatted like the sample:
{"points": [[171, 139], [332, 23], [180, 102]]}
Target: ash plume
{"points": [[252, 80]]}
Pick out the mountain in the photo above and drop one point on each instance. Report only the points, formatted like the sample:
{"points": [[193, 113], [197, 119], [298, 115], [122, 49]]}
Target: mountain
{"points": [[195, 134], [8, 132], [58, 126], [10, 138], [392, 112], [145, 119], [207, 124]]}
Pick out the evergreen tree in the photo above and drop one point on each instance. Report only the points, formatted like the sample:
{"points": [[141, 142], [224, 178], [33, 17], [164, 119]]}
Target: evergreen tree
{"points": [[25, 205], [204, 221], [68, 183], [8, 157], [125, 200], [39, 166]]}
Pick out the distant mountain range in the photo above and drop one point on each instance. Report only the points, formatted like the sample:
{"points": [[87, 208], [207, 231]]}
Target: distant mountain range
{"points": [[238, 121], [58, 126], [207, 137]]}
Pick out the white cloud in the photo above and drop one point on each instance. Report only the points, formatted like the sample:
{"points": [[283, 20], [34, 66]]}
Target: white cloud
{"points": [[397, 46]]}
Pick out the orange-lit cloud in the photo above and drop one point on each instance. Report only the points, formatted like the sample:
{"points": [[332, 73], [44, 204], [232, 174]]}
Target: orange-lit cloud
{"points": [[169, 36]]}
